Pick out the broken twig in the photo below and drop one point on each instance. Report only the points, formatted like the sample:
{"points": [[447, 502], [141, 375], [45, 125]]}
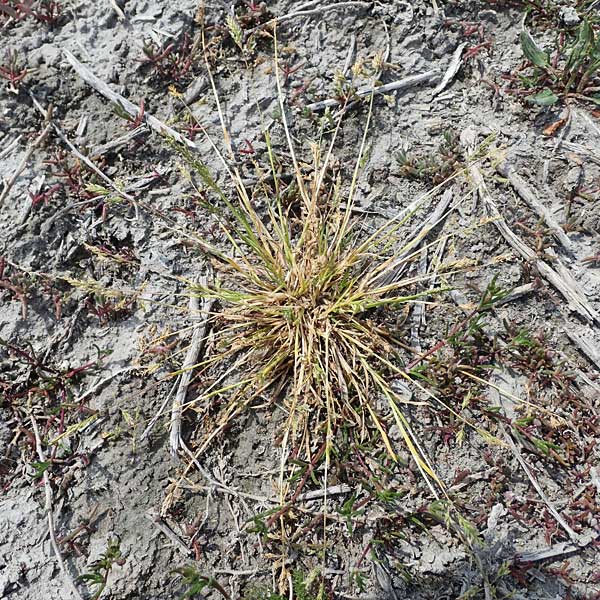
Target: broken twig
{"points": [[131, 109], [530, 198], [560, 278], [451, 71], [48, 508], [25, 160], [399, 85], [191, 358]]}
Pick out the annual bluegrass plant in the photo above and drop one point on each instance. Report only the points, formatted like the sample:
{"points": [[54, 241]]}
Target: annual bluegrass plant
{"points": [[299, 295], [302, 297]]}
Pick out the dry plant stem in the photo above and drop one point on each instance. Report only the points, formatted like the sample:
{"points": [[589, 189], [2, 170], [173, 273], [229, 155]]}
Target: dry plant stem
{"points": [[25, 160], [121, 141], [195, 349], [579, 149], [218, 485], [566, 285], [530, 198], [88, 163], [131, 109], [417, 236], [117, 9], [350, 56], [84, 526], [102, 382], [170, 534], [308, 10], [8, 149], [517, 293], [452, 70], [460, 300], [333, 490], [305, 11], [585, 345], [123, 194], [157, 416], [553, 553], [399, 85], [538, 488], [283, 510], [504, 400], [48, 508]]}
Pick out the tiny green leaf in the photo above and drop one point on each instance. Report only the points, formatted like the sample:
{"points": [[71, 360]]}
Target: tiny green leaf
{"points": [[544, 98], [532, 51], [40, 468]]}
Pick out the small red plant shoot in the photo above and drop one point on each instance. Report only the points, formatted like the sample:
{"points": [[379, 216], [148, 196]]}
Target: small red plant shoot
{"points": [[11, 70]]}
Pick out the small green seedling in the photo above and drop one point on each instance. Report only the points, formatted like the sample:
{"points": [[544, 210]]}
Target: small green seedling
{"points": [[196, 583], [97, 578]]}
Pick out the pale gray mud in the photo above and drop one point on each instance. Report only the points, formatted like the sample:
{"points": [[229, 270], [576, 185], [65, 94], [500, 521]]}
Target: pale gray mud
{"points": [[94, 317]]}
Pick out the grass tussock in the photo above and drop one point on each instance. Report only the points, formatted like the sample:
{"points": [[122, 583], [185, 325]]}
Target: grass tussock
{"points": [[297, 307], [302, 296]]}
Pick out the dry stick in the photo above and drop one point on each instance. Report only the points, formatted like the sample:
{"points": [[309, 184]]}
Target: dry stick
{"points": [[538, 488], [399, 85], [350, 56], [117, 9], [553, 553], [157, 416], [418, 313], [102, 382], [589, 123], [311, 467], [83, 527], [169, 533], [498, 399], [515, 293], [333, 490], [217, 485], [48, 508], [579, 149], [131, 109], [191, 359], [307, 10], [125, 139], [123, 194], [530, 198], [8, 149], [417, 236], [24, 162], [452, 70], [563, 282], [586, 346], [321, 9]]}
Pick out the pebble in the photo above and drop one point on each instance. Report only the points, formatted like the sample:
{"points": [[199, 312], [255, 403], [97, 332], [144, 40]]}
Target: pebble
{"points": [[570, 16]]}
